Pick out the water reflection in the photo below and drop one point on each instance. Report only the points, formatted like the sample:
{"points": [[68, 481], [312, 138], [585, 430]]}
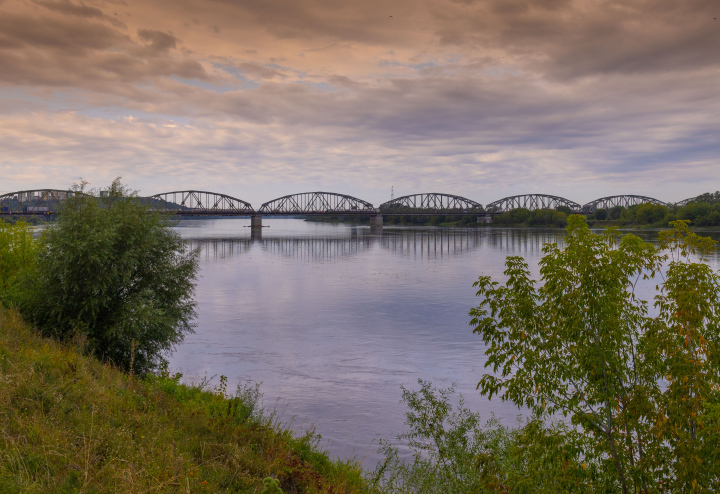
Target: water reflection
{"points": [[421, 243]]}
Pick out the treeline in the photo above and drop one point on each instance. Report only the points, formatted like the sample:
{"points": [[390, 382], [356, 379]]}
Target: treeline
{"points": [[539, 217], [699, 213], [703, 211], [435, 220]]}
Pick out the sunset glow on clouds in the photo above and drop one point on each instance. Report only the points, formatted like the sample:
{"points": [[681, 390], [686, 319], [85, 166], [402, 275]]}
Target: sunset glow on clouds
{"points": [[257, 99]]}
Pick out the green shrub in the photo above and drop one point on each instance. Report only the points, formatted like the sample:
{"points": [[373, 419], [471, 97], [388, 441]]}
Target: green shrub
{"points": [[115, 277], [453, 451], [642, 388], [18, 258]]}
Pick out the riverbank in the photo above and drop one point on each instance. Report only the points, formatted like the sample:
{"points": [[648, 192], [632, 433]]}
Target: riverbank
{"points": [[70, 423], [471, 222]]}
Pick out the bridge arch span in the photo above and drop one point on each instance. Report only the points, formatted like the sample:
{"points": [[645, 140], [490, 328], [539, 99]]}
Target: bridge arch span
{"points": [[687, 201], [317, 203], [623, 200], [531, 202], [199, 202], [431, 201]]}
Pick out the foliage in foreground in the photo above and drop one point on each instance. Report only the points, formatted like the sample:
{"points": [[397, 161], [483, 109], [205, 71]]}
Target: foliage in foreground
{"points": [[454, 452], [644, 390], [18, 257], [115, 277], [71, 424]]}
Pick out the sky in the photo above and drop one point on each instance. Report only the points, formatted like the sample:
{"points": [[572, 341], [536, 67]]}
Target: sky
{"points": [[262, 98]]}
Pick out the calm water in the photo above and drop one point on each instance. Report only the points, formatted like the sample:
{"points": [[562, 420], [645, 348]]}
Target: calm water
{"points": [[333, 319]]}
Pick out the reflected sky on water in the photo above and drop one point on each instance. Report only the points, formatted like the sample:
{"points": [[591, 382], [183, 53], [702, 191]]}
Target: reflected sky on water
{"points": [[333, 319]]}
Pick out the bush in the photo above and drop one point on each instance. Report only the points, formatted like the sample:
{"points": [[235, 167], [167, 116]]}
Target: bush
{"points": [[453, 451], [601, 214], [18, 258], [643, 389], [115, 277]]}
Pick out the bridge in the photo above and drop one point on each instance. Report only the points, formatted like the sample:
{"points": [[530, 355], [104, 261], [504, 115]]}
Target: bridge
{"points": [[199, 203], [621, 201], [206, 203], [531, 202], [431, 203]]}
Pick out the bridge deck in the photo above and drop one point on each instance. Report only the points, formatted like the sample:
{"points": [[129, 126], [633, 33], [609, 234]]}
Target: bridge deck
{"points": [[175, 212]]}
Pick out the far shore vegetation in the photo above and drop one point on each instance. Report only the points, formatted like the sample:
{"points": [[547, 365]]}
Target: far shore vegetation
{"points": [[623, 394]]}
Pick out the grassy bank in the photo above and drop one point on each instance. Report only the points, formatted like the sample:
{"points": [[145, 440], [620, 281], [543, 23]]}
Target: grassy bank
{"points": [[69, 423]]}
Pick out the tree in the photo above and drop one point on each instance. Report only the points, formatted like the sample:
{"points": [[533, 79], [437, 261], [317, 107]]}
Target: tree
{"points": [[601, 214], [651, 213], [18, 255], [114, 274], [644, 390], [615, 212]]}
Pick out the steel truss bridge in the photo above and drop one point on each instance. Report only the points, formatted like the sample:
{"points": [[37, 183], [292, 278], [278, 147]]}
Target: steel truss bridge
{"points": [[430, 202], [205, 203], [622, 201], [316, 203], [531, 202]]}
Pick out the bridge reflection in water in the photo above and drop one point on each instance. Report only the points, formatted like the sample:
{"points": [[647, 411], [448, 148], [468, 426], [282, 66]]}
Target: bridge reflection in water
{"points": [[422, 243]]}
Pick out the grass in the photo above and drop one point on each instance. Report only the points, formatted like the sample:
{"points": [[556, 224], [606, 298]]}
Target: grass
{"points": [[69, 423]]}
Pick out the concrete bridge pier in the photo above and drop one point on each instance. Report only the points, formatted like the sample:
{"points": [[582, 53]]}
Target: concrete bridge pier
{"points": [[484, 219], [376, 220], [256, 226]]}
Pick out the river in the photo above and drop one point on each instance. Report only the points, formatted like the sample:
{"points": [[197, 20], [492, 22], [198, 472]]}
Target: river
{"points": [[334, 319]]}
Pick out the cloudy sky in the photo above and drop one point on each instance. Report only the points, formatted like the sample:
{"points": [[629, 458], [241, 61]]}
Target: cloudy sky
{"points": [[261, 98]]}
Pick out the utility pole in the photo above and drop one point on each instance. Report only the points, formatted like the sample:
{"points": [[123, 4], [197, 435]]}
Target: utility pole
{"points": [[392, 193]]}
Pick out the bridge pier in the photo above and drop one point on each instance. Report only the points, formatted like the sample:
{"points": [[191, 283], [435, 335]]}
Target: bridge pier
{"points": [[256, 226], [484, 219], [376, 220]]}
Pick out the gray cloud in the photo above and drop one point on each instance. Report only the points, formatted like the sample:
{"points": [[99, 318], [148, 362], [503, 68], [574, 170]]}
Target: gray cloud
{"points": [[159, 41], [77, 53], [469, 96], [69, 8]]}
